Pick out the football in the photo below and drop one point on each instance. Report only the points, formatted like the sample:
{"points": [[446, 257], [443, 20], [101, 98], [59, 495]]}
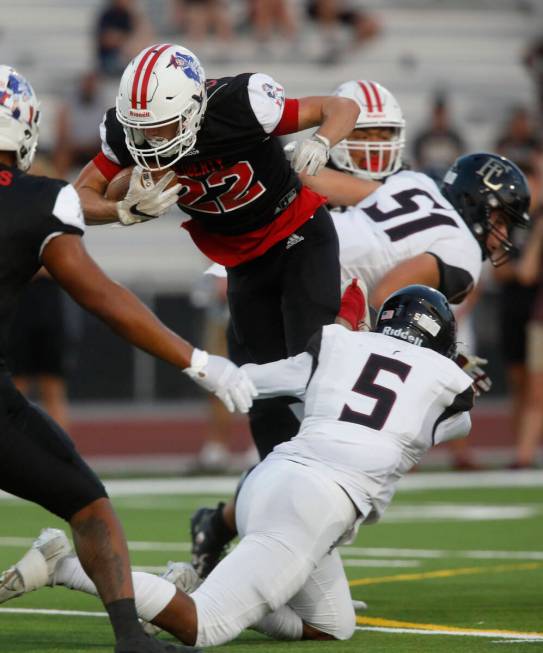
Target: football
{"points": [[118, 186]]}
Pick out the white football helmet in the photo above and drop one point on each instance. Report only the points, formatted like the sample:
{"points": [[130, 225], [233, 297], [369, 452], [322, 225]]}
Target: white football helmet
{"points": [[19, 117], [378, 108], [163, 85]]}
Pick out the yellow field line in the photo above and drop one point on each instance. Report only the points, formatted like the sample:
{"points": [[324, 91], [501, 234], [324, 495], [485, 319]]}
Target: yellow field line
{"points": [[445, 573], [392, 623]]}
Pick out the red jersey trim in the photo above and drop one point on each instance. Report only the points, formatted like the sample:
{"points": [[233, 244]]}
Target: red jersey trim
{"points": [[234, 250], [106, 166], [289, 123]]}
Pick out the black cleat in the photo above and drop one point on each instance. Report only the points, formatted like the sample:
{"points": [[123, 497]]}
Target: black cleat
{"points": [[210, 538], [147, 644]]}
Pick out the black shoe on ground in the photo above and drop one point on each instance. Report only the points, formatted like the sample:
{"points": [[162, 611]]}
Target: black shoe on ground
{"points": [[210, 538]]}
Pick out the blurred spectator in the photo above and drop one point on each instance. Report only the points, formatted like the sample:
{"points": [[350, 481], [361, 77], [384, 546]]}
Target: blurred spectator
{"points": [[196, 19], [460, 450], [530, 271], [438, 146], [267, 14], [122, 30], [533, 60], [520, 140], [331, 14], [41, 348], [521, 327], [77, 140], [210, 294]]}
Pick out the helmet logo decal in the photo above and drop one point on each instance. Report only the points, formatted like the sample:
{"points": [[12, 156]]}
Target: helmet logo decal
{"points": [[491, 171], [426, 323], [188, 65], [404, 334], [16, 91]]}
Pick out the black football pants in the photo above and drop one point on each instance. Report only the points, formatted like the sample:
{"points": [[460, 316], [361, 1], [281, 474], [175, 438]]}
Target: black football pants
{"points": [[277, 302]]}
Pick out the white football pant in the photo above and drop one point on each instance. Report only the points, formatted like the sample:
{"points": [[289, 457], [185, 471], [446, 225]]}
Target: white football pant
{"points": [[289, 519]]}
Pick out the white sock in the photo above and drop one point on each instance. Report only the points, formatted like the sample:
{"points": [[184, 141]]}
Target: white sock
{"points": [[284, 623], [71, 574], [152, 593]]}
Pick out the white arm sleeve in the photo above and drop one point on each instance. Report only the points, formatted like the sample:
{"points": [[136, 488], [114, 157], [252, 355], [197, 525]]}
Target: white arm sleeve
{"points": [[457, 426], [289, 376], [267, 99]]}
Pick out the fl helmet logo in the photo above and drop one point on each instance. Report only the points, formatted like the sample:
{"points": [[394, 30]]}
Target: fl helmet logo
{"points": [[491, 171], [187, 64]]}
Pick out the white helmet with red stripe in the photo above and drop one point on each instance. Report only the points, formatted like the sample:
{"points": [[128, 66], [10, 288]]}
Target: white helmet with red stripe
{"points": [[378, 108], [162, 85], [19, 117]]}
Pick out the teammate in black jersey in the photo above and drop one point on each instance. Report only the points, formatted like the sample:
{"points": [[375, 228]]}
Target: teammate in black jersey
{"points": [[42, 224]]}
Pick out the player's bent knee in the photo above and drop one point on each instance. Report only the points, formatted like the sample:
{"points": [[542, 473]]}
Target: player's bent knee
{"points": [[344, 625]]}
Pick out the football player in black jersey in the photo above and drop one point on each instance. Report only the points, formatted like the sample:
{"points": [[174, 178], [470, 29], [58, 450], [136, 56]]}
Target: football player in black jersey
{"points": [[248, 209], [42, 224]]}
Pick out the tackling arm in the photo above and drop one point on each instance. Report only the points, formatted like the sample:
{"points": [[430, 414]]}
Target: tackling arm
{"points": [[66, 258], [334, 116], [341, 188], [421, 269], [288, 376], [68, 262]]}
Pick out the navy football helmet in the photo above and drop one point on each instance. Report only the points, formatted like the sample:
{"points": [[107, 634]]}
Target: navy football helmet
{"points": [[476, 185], [420, 315]]}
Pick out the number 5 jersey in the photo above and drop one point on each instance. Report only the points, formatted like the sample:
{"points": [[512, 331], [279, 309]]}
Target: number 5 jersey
{"points": [[407, 216], [374, 405], [237, 187]]}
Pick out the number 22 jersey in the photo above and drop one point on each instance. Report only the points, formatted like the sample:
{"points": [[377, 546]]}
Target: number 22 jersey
{"points": [[236, 183]]}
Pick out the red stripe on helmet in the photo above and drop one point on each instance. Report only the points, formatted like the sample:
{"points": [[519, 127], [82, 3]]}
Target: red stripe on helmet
{"points": [[147, 74], [367, 95], [377, 96], [143, 60]]}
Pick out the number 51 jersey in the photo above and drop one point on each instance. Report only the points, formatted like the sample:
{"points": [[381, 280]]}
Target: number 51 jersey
{"points": [[373, 406], [407, 216]]}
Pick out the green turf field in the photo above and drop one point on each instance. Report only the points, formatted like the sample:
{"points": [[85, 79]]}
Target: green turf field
{"points": [[463, 566]]}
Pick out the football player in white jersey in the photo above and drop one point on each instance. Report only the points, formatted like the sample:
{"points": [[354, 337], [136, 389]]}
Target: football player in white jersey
{"points": [[374, 404], [396, 226]]}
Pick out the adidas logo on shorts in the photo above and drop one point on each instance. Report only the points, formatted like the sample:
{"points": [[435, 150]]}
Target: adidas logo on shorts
{"points": [[293, 239]]}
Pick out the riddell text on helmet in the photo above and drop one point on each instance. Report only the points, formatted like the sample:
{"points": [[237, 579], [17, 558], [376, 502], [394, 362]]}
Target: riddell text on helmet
{"points": [[403, 334]]}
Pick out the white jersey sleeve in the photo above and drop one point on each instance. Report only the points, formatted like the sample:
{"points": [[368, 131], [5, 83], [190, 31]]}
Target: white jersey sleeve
{"points": [[452, 428], [289, 376], [267, 99], [67, 209]]}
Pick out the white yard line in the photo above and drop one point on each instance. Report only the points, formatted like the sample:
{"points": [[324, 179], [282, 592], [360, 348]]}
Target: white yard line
{"points": [[350, 551], [435, 630], [217, 485]]}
